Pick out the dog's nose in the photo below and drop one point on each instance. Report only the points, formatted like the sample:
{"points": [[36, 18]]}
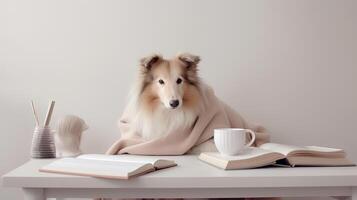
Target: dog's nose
{"points": [[174, 103]]}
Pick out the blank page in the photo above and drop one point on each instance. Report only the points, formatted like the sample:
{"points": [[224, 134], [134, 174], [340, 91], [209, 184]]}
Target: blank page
{"points": [[323, 149], [297, 150], [97, 168], [248, 153], [281, 148], [128, 158]]}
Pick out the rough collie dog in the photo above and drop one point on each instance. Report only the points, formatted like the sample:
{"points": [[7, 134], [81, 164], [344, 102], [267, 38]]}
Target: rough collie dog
{"points": [[167, 96]]}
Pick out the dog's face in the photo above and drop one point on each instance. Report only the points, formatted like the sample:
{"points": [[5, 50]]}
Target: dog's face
{"points": [[169, 80], [169, 83]]}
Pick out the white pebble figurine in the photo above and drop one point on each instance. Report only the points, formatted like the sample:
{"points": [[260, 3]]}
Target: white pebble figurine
{"points": [[68, 136]]}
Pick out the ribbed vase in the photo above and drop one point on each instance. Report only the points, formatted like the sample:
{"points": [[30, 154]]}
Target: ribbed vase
{"points": [[43, 145]]}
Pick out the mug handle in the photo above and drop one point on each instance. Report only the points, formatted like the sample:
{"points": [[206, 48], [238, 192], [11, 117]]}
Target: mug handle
{"points": [[253, 137]]}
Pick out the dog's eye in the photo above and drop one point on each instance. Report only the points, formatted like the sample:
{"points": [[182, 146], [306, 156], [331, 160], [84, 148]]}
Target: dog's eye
{"points": [[161, 82], [179, 81]]}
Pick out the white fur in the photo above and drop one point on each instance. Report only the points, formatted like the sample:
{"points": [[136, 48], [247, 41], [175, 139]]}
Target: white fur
{"points": [[164, 121], [68, 136]]}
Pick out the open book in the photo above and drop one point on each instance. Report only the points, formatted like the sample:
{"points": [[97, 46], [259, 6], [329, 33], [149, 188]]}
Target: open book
{"points": [[107, 166], [278, 154]]}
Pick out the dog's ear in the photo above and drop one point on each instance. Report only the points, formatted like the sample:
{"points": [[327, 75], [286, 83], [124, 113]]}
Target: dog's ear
{"points": [[189, 59], [149, 61]]}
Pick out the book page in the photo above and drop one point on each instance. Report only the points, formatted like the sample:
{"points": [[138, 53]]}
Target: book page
{"points": [[248, 153], [97, 168], [323, 149], [281, 148], [250, 158], [319, 161], [156, 161], [303, 150]]}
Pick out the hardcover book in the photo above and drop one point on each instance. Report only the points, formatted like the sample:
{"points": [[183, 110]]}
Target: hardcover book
{"points": [[279, 155]]}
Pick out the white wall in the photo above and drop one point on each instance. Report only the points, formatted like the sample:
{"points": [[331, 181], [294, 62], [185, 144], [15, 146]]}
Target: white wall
{"points": [[290, 65]]}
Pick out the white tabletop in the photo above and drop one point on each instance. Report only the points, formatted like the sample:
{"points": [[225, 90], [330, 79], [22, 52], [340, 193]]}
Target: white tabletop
{"points": [[190, 173]]}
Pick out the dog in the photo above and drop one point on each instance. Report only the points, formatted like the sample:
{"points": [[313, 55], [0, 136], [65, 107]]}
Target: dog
{"points": [[167, 95]]}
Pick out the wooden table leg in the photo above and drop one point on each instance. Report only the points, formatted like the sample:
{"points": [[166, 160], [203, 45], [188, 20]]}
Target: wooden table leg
{"points": [[34, 194], [354, 193]]}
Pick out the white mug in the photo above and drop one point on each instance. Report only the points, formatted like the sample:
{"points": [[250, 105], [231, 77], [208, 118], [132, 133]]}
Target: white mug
{"points": [[232, 141]]}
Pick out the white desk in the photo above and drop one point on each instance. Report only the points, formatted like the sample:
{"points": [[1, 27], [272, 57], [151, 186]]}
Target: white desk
{"points": [[190, 179]]}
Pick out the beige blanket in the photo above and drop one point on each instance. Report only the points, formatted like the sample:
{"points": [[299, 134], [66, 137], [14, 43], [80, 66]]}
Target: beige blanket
{"points": [[215, 115]]}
